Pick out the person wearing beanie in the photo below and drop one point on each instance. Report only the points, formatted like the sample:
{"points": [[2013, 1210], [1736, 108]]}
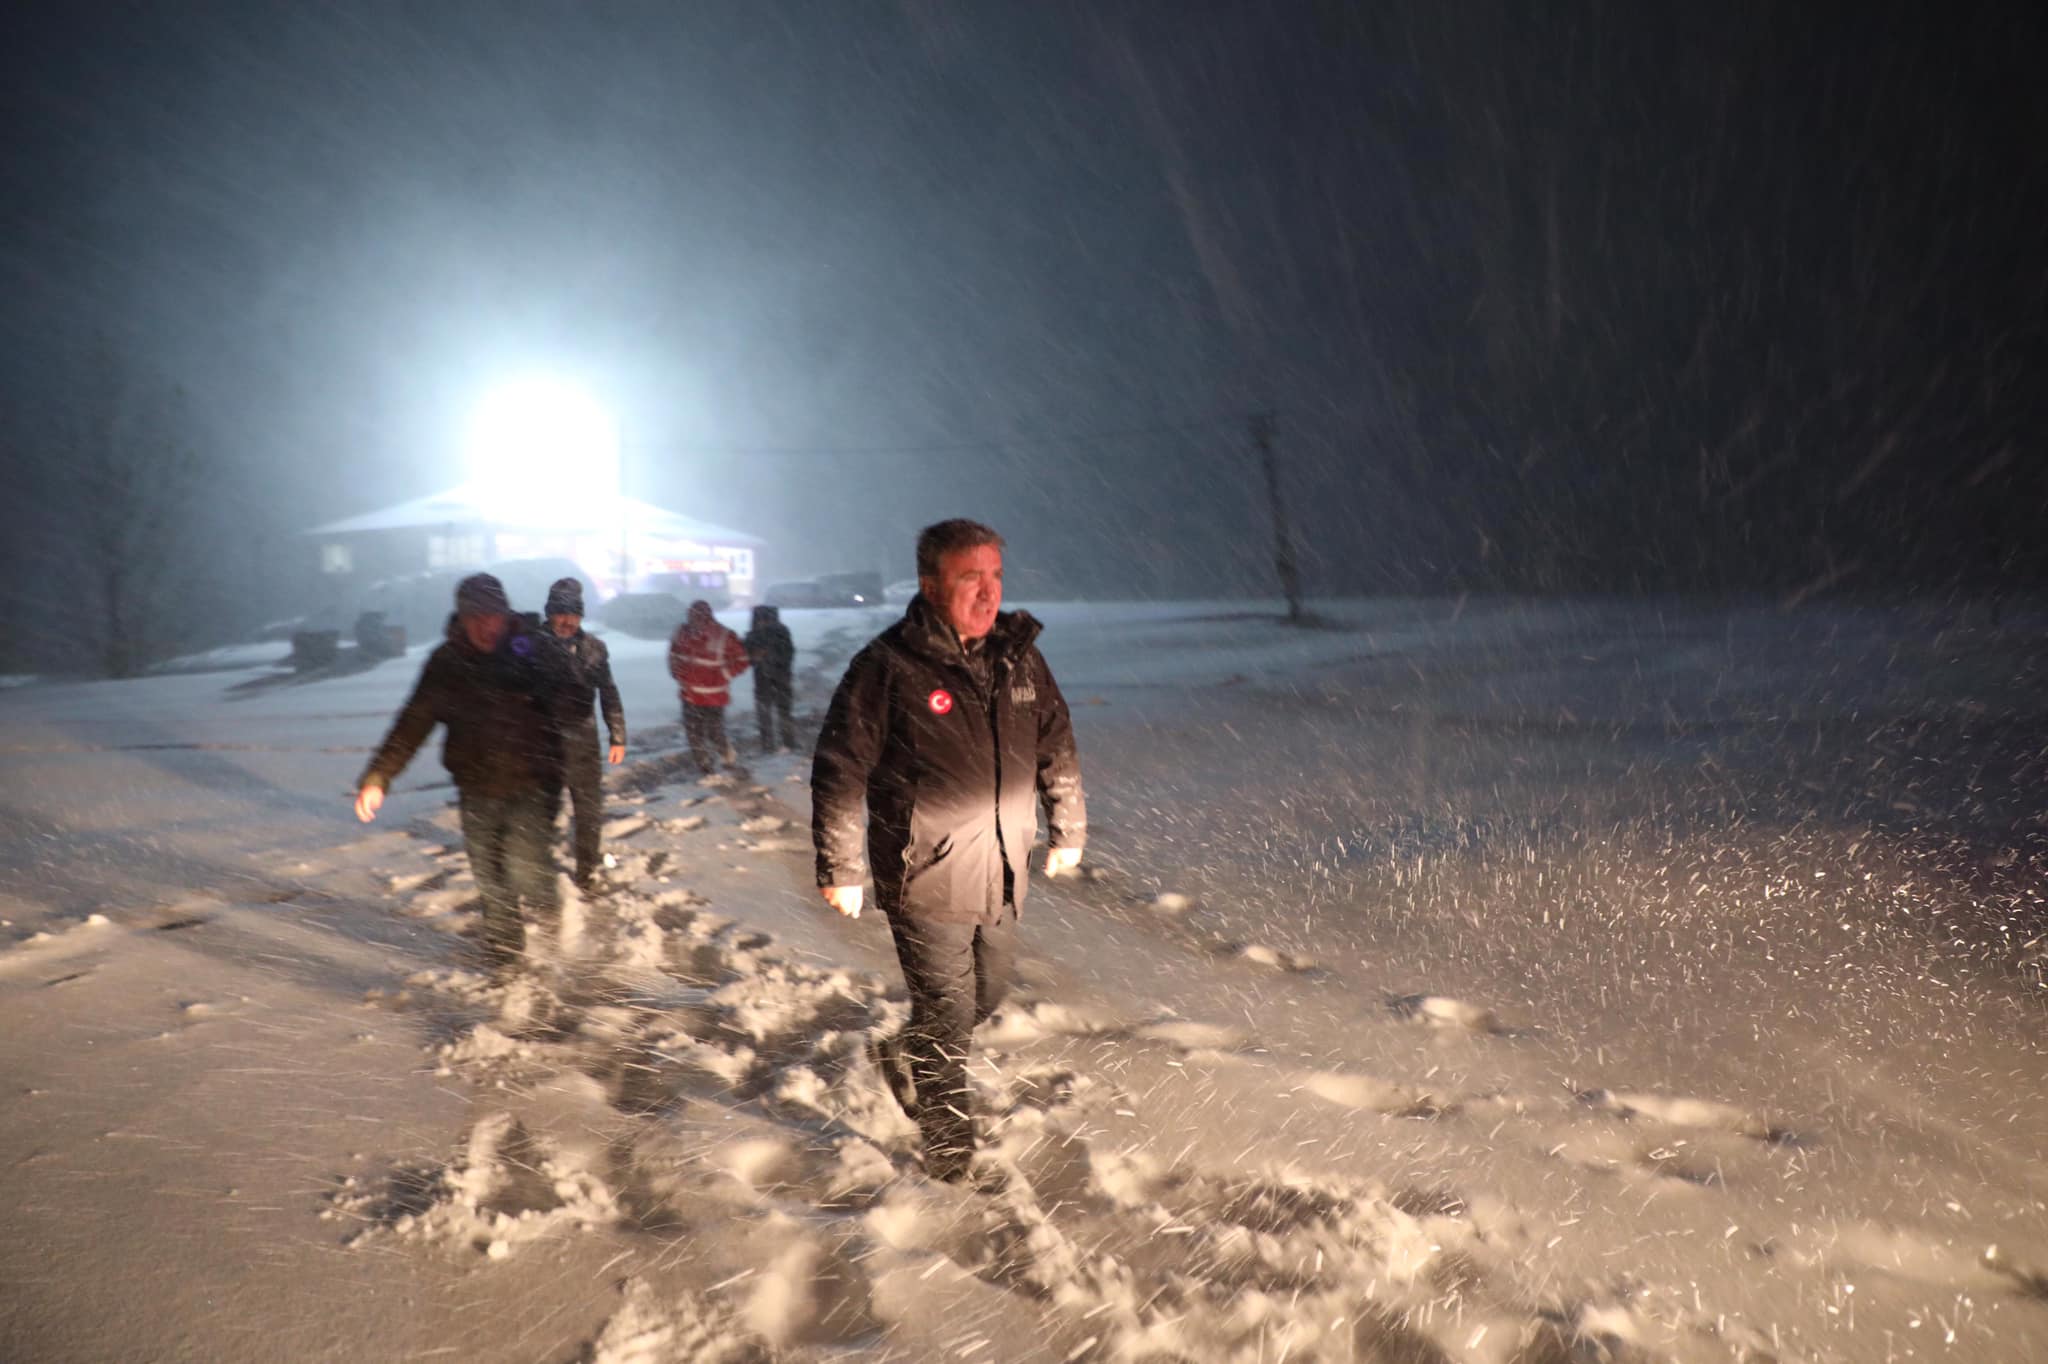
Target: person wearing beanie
{"points": [[774, 654], [480, 597], [590, 679], [704, 658], [492, 683]]}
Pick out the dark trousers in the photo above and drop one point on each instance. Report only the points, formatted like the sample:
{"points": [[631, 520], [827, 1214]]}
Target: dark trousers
{"points": [[772, 709], [957, 974], [704, 727], [509, 840], [585, 764]]}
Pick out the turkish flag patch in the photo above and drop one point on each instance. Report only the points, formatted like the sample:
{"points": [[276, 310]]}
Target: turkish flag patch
{"points": [[941, 701]]}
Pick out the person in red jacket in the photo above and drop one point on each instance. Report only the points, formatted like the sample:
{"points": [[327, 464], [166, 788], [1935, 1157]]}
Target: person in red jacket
{"points": [[704, 658]]}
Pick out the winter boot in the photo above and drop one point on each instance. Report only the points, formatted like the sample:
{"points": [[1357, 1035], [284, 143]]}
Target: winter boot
{"points": [[948, 1143], [887, 1054]]}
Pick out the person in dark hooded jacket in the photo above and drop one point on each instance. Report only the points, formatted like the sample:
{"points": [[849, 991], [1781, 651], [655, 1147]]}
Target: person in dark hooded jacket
{"points": [[590, 679], [945, 734], [492, 683], [774, 657]]}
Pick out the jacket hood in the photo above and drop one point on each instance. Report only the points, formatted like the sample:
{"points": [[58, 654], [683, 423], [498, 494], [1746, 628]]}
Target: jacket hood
{"points": [[767, 615], [700, 615]]}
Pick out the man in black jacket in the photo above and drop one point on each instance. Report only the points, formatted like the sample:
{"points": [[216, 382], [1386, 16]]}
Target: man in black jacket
{"points": [[944, 733], [773, 654], [590, 678], [491, 683]]}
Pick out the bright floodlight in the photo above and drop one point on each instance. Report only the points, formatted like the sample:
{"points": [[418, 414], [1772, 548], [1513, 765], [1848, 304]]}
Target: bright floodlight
{"points": [[544, 451]]}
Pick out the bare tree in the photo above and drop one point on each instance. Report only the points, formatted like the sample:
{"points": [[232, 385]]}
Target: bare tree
{"points": [[136, 477]]}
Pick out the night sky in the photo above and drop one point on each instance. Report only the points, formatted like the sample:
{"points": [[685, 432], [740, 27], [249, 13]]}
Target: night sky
{"points": [[1575, 297]]}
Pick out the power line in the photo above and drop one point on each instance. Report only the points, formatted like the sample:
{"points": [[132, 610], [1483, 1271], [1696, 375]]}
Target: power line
{"points": [[961, 447]]}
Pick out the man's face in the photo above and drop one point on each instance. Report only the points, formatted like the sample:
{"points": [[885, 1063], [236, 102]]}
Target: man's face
{"points": [[968, 590], [485, 631], [564, 625]]}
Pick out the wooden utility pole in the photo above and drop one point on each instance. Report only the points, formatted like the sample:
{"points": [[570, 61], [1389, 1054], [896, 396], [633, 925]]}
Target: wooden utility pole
{"points": [[1284, 563]]}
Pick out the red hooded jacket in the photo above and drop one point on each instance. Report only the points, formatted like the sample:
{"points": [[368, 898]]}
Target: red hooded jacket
{"points": [[705, 657]]}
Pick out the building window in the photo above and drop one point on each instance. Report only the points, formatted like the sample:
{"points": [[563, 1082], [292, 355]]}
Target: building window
{"points": [[337, 559], [454, 551], [742, 561]]}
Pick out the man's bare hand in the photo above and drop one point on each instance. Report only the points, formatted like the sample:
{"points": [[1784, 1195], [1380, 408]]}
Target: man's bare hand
{"points": [[618, 754], [368, 801], [846, 899], [1058, 860]]}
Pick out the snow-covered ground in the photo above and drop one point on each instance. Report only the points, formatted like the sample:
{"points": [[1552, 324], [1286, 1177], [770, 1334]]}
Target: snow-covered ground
{"points": [[1480, 981]]}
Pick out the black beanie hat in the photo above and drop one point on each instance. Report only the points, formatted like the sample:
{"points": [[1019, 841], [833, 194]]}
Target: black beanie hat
{"points": [[481, 595], [565, 598]]}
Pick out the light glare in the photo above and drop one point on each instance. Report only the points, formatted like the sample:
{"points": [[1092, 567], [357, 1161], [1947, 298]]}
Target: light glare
{"points": [[543, 449]]}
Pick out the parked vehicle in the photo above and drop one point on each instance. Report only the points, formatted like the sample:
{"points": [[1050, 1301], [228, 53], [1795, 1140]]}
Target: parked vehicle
{"points": [[799, 595], [852, 589], [314, 649], [645, 615], [376, 638], [827, 591], [704, 585]]}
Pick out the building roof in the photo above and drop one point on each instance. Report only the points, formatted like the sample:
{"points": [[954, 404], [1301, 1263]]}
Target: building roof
{"points": [[467, 504]]}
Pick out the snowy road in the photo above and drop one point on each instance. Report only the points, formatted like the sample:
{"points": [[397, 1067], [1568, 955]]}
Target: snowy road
{"points": [[1474, 981]]}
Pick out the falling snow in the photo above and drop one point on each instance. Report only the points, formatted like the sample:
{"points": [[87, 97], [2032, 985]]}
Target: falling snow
{"points": [[1469, 982]]}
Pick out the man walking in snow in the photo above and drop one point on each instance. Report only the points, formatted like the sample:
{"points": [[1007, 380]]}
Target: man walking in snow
{"points": [[945, 731], [704, 658], [492, 683], [773, 653], [590, 679]]}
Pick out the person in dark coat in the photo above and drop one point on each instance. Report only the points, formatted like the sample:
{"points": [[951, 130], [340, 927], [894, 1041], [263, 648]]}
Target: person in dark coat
{"points": [[943, 736], [590, 679], [774, 657], [492, 683], [704, 658]]}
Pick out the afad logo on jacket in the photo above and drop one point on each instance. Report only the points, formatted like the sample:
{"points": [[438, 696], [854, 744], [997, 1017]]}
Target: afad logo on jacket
{"points": [[941, 701]]}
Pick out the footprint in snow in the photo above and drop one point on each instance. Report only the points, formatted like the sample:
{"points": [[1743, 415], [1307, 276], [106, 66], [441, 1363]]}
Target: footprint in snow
{"points": [[813, 1293], [1259, 954], [412, 883], [511, 1186], [1450, 1015], [1921, 1256], [1191, 1036], [625, 827], [1370, 1094], [457, 902], [1704, 1114], [41, 948], [1020, 1023], [659, 1328], [1616, 1152]]}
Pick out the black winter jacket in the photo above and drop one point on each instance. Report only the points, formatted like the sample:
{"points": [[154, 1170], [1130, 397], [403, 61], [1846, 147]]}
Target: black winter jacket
{"points": [[947, 756], [772, 650], [502, 738], [590, 678]]}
